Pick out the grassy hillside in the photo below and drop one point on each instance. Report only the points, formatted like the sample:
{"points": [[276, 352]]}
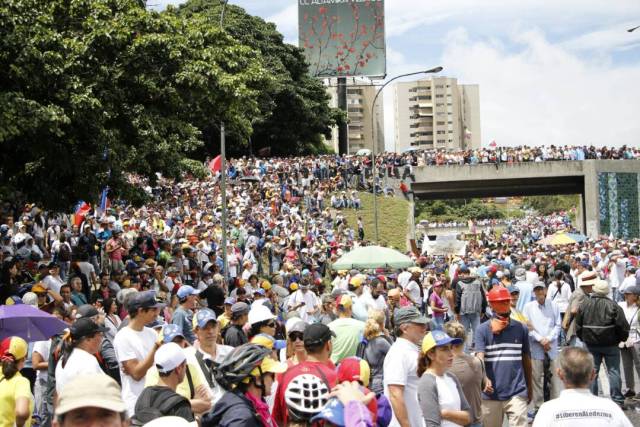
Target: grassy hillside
{"points": [[392, 220]]}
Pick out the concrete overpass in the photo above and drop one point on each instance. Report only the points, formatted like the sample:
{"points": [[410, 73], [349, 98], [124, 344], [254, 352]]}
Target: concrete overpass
{"points": [[609, 189]]}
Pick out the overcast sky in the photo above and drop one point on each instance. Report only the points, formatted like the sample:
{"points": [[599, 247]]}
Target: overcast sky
{"points": [[564, 72]]}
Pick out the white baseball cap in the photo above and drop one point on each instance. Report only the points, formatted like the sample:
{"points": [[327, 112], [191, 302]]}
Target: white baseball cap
{"points": [[260, 313], [168, 357]]}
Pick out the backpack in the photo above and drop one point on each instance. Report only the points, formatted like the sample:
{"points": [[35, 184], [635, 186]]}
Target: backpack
{"points": [[151, 406], [64, 254]]}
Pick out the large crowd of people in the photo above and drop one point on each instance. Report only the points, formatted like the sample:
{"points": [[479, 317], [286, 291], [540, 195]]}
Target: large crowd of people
{"points": [[160, 326]]}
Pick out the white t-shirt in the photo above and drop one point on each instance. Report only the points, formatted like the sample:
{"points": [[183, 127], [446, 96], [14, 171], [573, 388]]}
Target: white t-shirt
{"points": [[403, 279], [400, 366], [448, 397], [53, 283], [130, 345], [413, 290], [79, 362], [221, 352], [87, 268], [580, 408], [42, 348], [311, 302]]}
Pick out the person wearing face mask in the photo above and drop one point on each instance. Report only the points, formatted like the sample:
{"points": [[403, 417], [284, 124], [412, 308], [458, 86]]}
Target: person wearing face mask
{"points": [[503, 345]]}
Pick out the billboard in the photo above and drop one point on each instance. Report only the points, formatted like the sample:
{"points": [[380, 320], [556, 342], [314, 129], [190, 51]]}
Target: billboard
{"points": [[343, 38]]}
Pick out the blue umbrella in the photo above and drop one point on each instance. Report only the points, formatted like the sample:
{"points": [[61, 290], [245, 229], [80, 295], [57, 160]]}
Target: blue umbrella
{"points": [[26, 321]]}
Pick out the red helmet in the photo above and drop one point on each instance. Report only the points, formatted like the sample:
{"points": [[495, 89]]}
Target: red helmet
{"points": [[498, 294]]}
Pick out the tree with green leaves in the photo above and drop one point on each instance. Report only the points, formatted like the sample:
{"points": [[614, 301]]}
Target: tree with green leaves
{"points": [[294, 110], [93, 92]]}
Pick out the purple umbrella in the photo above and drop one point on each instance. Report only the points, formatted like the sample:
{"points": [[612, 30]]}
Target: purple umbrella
{"points": [[26, 321]]}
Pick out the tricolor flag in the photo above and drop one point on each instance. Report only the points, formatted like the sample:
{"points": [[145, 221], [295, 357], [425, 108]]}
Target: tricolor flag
{"points": [[80, 212]]}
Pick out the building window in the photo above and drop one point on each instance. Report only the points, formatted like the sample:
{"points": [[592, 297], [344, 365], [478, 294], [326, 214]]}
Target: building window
{"points": [[440, 123]]}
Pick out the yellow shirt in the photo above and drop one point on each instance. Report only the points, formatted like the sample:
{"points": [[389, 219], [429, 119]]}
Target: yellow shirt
{"points": [[223, 320], [152, 378], [517, 315], [10, 390]]}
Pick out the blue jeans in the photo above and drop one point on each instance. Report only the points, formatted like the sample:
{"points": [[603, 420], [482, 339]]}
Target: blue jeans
{"points": [[470, 321], [611, 356]]}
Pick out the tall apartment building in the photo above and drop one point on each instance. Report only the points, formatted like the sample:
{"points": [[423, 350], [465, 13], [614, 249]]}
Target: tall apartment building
{"points": [[436, 113], [360, 94]]}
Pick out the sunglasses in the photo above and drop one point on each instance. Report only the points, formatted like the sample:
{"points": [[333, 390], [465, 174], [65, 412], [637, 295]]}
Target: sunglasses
{"points": [[271, 324], [293, 336]]}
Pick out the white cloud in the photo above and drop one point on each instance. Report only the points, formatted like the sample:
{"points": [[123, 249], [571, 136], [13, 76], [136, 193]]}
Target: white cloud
{"points": [[287, 23], [563, 16], [606, 39], [545, 94]]}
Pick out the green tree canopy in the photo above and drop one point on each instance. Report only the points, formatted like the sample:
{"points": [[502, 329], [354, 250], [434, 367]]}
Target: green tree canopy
{"points": [[294, 99], [93, 92]]}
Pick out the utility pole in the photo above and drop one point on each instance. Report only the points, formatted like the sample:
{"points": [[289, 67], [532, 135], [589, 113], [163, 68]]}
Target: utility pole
{"points": [[343, 130], [374, 170], [223, 178]]}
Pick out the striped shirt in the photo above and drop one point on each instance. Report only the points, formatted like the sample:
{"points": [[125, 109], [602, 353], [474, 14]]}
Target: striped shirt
{"points": [[503, 359]]}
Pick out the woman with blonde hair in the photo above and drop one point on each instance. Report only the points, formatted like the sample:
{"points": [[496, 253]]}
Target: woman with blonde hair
{"points": [[469, 370], [374, 347]]}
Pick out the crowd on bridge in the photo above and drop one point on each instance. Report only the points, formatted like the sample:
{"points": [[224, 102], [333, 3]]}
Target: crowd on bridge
{"points": [[159, 325]]}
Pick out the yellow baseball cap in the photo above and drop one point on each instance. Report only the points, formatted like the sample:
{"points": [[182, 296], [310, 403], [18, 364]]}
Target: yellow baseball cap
{"points": [[268, 365], [14, 346], [437, 339]]}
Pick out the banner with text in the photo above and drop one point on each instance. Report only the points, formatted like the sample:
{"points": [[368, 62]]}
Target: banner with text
{"points": [[343, 38]]}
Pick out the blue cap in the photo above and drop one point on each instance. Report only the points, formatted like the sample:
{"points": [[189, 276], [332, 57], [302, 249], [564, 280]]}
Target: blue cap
{"points": [[333, 412], [305, 272], [158, 322], [203, 317], [145, 299], [260, 291], [185, 291], [171, 331], [513, 289]]}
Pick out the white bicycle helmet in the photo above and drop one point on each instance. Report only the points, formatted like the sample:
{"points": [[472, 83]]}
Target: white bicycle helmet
{"points": [[305, 396]]}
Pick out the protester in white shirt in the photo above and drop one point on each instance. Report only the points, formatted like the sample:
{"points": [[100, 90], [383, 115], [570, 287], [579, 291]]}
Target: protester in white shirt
{"points": [[629, 279], [135, 346], [304, 302], [78, 356], [628, 349], [206, 352], [400, 377], [576, 406], [39, 361], [559, 292]]}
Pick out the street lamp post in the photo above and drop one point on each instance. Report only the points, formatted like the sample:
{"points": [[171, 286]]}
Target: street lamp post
{"points": [[223, 179], [373, 151]]}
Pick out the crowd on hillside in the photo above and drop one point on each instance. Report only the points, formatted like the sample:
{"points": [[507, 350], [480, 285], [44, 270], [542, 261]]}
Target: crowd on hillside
{"points": [[157, 327]]}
